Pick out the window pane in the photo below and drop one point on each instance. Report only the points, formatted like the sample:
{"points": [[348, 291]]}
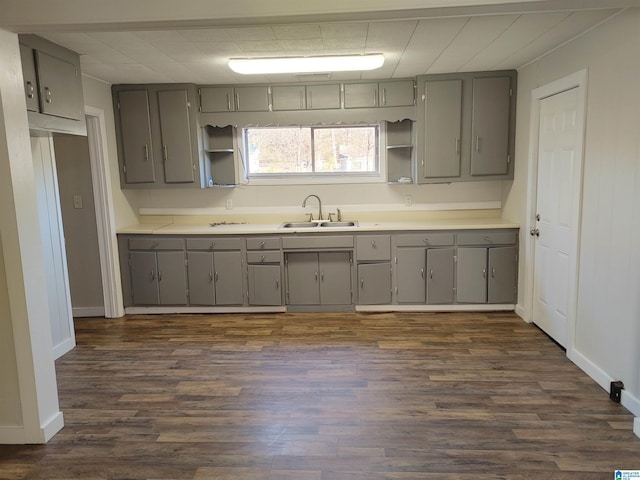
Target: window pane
{"points": [[345, 149], [279, 150]]}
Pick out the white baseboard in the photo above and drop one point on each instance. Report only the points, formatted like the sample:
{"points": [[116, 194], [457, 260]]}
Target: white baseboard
{"points": [[64, 347], [435, 308], [522, 313], [629, 401], [636, 426], [18, 435], [88, 312]]}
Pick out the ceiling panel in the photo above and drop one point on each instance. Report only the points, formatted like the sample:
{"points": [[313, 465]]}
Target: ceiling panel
{"points": [[411, 47]]}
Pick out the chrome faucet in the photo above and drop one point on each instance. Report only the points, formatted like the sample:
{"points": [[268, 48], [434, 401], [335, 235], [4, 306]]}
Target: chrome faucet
{"points": [[304, 204]]}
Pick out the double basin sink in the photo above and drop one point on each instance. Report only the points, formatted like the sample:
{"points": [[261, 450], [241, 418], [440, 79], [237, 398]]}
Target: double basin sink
{"points": [[326, 224]]}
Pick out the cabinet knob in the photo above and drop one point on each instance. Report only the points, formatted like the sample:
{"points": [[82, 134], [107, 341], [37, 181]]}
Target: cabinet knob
{"points": [[153, 275], [362, 283], [262, 258], [373, 243], [213, 244], [262, 245], [47, 95], [484, 273], [155, 244], [422, 272], [30, 90], [493, 273], [431, 274]]}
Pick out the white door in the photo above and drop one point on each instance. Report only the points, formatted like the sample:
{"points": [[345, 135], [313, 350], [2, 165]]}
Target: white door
{"points": [[557, 215], [53, 250]]}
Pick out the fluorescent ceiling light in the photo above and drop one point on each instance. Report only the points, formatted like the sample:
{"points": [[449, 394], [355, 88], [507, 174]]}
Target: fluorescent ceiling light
{"points": [[337, 63]]}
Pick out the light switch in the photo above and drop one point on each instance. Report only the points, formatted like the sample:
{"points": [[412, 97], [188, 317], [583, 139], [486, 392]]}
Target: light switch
{"points": [[77, 201]]}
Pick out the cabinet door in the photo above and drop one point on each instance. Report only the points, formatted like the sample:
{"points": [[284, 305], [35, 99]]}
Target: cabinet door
{"points": [[60, 87], [502, 275], [374, 284], [323, 97], [440, 275], [200, 268], [217, 99], [288, 97], [144, 278], [410, 275], [471, 275], [176, 136], [335, 278], [303, 279], [172, 278], [135, 134], [29, 76], [490, 127], [228, 278], [442, 128], [397, 94], [360, 95], [252, 99], [264, 285]]}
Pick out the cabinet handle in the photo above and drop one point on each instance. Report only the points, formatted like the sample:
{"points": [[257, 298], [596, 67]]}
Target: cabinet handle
{"points": [[384, 96], [261, 244], [262, 258], [216, 277], [426, 240], [310, 99], [159, 276], [373, 243], [47, 95], [228, 102], [165, 153], [277, 284], [422, 272], [375, 98], [487, 239], [30, 90], [322, 276], [213, 244], [210, 277], [155, 244], [493, 273], [237, 101], [362, 283], [477, 143], [458, 145], [301, 100], [431, 274], [316, 276], [153, 275], [146, 152], [484, 273]]}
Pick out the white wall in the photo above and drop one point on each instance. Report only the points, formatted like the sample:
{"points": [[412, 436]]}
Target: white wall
{"points": [[607, 335], [97, 94], [27, 311]]}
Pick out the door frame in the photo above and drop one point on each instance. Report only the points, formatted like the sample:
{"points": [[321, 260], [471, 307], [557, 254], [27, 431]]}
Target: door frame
{"points": [[105, 215], [576, 80]]}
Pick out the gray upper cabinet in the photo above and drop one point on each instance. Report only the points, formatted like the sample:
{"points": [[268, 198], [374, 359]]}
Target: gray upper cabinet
{"points": [[156, 129], [177, 152], [397, 93], [323, 97], [53, 86], [439, 141], [466, 126], [217, 99], [234, 99], [135, 137], [490, 126], [30, 79], [288, 97]]}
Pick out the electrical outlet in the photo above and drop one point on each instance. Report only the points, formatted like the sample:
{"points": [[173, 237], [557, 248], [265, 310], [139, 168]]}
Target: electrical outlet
{"points": [[228, 204], [408, 200], [77, 201]]}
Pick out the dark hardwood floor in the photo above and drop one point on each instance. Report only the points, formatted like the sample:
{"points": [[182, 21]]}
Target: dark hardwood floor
{"points": [[326, 397]]}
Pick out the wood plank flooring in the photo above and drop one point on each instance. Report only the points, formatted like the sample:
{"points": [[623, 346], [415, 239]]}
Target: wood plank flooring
{"points": [[347, 396]]}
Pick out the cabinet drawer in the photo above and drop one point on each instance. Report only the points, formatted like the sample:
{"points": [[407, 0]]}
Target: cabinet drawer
{"points": [[345, 241], [424, 239], [150, 243], [214, 243], [264, 257], [373, 247], [488, 238], [263, 243]]}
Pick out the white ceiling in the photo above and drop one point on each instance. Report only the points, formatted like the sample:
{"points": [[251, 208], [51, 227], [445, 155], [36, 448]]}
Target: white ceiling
{"points": [[411, 47]]}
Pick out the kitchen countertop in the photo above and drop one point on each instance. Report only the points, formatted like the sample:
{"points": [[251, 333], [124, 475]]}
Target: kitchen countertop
{"points": [[255, 228]]}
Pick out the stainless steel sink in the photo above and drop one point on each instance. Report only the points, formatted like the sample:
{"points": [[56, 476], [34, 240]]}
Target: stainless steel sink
{"points": [[339, 224], [318, 224], [299, 225]]}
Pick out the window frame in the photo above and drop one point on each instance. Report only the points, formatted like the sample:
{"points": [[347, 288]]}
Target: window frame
{"points": [[298, 178]]}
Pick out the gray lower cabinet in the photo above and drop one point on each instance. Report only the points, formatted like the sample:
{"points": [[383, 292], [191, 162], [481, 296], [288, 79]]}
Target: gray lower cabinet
{"points": [[319, 278], [264, 285], [410, 279], [486, 275], [215, 278], [440, 275], [158, 278], [374, 283]]}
